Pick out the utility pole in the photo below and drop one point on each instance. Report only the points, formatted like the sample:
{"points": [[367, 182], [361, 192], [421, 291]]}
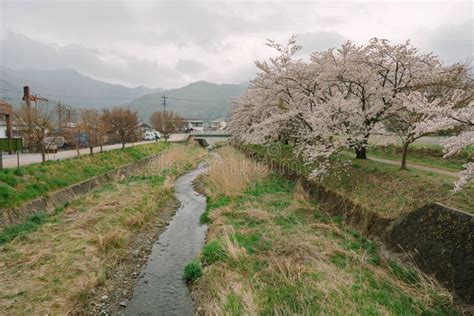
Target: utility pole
{"points": [[59, 115], [164, 97], [27, 99], [69, 116]]}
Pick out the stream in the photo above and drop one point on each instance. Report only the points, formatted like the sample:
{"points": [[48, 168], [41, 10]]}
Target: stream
{"points": [[160, 289]]}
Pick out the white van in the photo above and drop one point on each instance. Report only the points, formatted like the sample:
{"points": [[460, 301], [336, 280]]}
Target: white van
{"points": [[151, 135]]}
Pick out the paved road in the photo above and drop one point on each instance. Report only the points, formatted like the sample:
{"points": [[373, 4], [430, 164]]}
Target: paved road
{"points": [[178, 138], [416, 166], [9, 161]]}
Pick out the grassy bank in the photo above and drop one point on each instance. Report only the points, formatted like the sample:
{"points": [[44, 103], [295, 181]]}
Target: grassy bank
{"points": [[272, 252], [55, 267], [381, 187], [32, 181], [427, 155]]}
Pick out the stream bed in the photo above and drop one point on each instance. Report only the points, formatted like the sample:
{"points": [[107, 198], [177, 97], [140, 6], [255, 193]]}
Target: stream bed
{"points": [[160, 289]]}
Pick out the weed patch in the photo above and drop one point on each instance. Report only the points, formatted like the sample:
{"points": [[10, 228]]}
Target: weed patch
{"points": [[18, 230], [212, 252], [192, 271]]}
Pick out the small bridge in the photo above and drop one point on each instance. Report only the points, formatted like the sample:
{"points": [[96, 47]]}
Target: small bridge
{"points": [[207, 138]]}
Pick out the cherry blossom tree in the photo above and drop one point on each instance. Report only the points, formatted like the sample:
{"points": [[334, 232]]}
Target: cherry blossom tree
{"points": [[446, 115], [337, 100], [373, 76]]}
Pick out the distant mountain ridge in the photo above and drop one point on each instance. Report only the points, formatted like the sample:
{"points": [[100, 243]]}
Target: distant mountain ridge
{"points": [[61, 84], [200, 99]]}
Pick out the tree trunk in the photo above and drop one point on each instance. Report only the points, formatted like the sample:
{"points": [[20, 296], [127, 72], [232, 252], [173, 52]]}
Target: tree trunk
{"points": [[123, 145], [361, 152], [101, 148], [404, 156], [43, 152], [91, 150]]}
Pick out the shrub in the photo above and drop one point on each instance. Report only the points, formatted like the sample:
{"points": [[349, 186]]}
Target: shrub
{"points": [[20, 172], [192, 271], [204, 218]]}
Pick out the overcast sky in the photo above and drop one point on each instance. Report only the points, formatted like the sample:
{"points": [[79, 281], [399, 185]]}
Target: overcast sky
{"points": [[170, 44]]}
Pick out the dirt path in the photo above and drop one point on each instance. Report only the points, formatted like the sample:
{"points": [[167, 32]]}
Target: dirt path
{"points": [[418, 167]]}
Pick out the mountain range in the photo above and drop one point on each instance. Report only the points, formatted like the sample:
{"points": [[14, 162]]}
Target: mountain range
{"points": [[200, 99]]}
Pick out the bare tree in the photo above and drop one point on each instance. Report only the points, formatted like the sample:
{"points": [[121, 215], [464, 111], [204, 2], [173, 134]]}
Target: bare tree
{"points": [[35, 123], [91, 124], [166, 123], [121, 121]]}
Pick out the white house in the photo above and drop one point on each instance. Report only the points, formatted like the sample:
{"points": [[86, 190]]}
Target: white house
{"points": [[194, 125], [218, 124]]}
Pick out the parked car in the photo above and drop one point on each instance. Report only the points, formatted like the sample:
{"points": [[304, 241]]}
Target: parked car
{"points": [[151, 135], [52, 143]]}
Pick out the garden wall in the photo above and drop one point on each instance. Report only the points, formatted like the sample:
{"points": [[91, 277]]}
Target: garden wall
{"points": [[57, 198], [439, 239]]}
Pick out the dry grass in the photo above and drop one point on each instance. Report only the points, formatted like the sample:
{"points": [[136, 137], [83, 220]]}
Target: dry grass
{"points": [[230, 172], [284, 256], [52, 270]]}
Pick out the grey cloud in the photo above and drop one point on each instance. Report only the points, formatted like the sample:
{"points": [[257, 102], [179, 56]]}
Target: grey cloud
{"points": [[170, 43], [19, 51], [454, 42], [188, 66], [318, 41]]}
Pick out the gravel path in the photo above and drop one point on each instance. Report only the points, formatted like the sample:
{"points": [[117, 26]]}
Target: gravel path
{"points": [[418, 167]]}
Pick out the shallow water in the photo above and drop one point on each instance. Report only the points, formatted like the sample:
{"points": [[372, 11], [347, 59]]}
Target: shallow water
{"points": [[160, 289]]}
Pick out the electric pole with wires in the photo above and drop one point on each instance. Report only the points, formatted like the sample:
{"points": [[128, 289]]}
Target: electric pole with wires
{"points": [[165, 135]]}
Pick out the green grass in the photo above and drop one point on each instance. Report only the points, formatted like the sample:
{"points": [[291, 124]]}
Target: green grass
{"points": [[295, 260], [428, 155], [29, 182], [30, 225], [384, 188], [212, 252], [192, 271], [211, 204]]}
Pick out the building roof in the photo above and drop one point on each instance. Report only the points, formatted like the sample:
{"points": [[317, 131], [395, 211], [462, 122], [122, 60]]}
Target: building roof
{"points": [[5, 108], [194, 120], [143, 124], [217, 120]]}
